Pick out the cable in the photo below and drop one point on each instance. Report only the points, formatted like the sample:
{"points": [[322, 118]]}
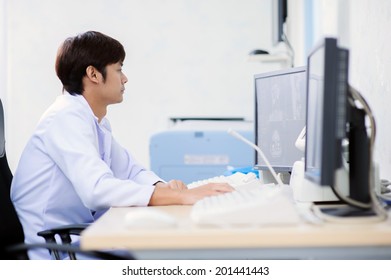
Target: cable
{"points": [[374, 203], [343, 198], [334, 188], [269, 166]]}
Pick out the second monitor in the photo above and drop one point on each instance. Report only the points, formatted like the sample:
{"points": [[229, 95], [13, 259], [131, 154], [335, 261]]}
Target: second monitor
{"points": [[280, 114]]}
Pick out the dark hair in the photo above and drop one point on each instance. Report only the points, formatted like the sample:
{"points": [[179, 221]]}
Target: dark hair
{"points": [[87, 49]]}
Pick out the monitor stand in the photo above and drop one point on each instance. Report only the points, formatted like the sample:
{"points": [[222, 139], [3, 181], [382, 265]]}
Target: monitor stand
{"points": [[339, 211], [268, 178], [343, 213]]}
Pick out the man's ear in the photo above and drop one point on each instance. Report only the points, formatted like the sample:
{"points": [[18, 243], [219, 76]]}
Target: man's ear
{"points": [[92, 74]]}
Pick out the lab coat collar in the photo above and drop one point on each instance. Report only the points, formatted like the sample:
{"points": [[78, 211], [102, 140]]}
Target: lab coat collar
{"points": [[80, 98]]}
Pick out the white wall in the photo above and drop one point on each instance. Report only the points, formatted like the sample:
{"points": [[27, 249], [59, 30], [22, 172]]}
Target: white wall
{"points": [[363, 26], [3, 53], [296, 31], [370, 68], [184, 58]]}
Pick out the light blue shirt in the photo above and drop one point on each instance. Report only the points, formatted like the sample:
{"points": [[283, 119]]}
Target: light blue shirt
{"points": [[71, 167]]}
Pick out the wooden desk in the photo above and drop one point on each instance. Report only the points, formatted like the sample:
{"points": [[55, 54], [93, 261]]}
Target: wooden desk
{"points": [[188, 241]]}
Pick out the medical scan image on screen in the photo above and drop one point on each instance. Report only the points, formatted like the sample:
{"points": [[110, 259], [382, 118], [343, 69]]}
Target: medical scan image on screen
{"points": [[280, 116]]}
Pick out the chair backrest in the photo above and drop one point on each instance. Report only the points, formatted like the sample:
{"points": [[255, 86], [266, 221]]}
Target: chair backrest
{"points": [[11, 231]]}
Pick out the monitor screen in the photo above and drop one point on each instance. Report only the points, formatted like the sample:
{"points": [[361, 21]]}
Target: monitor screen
{"points": [[326, 111], [315, 111], [280, 110]]}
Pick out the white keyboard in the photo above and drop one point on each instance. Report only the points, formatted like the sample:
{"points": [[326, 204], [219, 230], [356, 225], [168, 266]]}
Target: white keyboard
{"points": [[256, 206], [237, 180]]}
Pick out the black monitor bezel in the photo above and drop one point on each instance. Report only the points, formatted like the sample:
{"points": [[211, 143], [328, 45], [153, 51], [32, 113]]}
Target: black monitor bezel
{"points": [[330, 141]]}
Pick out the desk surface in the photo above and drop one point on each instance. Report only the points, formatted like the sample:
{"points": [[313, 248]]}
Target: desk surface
{"points": [[110, 232]]}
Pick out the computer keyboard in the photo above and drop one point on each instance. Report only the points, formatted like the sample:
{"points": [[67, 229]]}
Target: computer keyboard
{"points": [[237, 180], [254, 206]]}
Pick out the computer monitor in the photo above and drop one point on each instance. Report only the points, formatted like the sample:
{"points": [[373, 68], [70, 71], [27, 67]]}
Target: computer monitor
{"points": [[333, 118], [326, 111], [280, 109]]}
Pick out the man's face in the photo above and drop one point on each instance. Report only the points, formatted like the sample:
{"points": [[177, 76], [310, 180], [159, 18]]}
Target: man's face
{"points": [[112, 89]]}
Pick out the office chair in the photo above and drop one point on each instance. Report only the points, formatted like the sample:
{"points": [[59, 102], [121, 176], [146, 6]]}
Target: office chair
{"points": [[12, 244]]}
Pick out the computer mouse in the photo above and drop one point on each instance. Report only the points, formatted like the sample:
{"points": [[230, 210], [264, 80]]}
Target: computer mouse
{"points": [[149, 218], [258, 51]]}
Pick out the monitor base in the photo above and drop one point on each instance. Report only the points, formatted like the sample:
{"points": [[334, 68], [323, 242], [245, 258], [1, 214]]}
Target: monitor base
{"points": [[343, 213]]}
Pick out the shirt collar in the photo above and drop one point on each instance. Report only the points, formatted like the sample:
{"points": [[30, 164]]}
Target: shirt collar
{"points": [[80, 98]]}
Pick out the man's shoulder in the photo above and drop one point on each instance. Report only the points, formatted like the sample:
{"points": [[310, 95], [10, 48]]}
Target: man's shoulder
{"points": [[67, 108], [68, 105]]}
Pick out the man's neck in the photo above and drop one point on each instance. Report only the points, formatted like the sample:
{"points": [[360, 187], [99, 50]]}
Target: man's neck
{"points": [[97, 108]]}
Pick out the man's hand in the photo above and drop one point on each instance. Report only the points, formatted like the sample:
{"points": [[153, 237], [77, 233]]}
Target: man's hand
{"points": [[191, 196], [176, 193], [173, 184]]}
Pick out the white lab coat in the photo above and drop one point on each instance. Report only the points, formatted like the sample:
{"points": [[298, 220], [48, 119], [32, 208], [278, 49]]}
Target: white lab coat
{"points": [[71, 167]]}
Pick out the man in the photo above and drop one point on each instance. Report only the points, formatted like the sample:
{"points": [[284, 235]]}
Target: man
{"points": [[72, 169]]}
